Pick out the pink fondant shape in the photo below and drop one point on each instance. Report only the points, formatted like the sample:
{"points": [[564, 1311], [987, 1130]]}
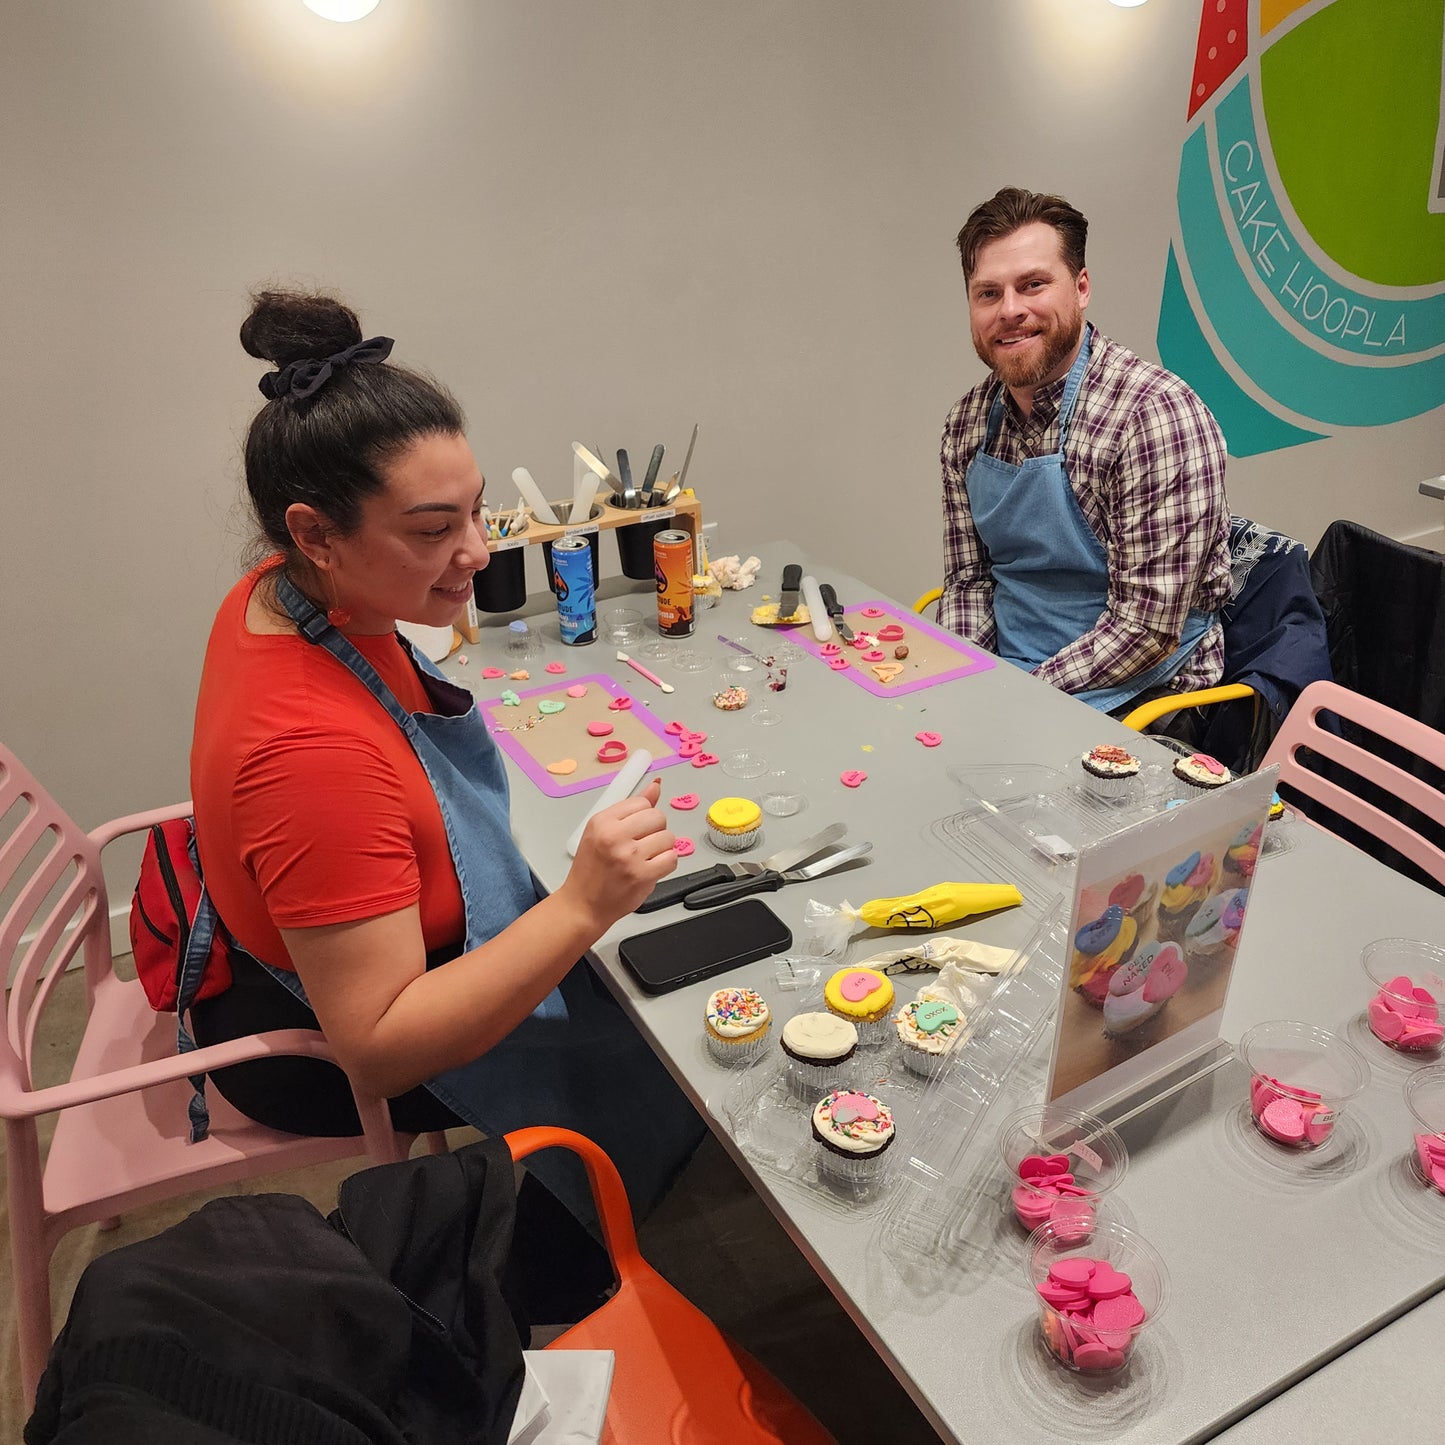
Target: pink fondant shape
{"points": [[578, 689], [599, 729], [1166, 974], [492, 672], [620, 703], [838, 664], [556, 668], [857, 986], [704, 760], [685, 802], [929, 740], [848, 1108], [853, 778], [683, 847], [1122, 1312], [615, 751]]}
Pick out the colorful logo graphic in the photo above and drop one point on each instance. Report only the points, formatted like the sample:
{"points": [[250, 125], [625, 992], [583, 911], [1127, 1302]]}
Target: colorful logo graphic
{"points": [[1305, 287]]}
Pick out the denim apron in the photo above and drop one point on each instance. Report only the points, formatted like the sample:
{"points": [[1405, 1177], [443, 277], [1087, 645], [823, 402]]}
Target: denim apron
{"points": [[1050, 572], [577, 1061]]}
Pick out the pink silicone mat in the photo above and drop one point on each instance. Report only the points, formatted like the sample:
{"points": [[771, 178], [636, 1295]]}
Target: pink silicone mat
{"points": [[934, 655], [554, 736]]}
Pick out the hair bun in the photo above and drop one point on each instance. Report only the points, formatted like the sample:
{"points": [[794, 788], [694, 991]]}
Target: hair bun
{"points": [[287, 326]]}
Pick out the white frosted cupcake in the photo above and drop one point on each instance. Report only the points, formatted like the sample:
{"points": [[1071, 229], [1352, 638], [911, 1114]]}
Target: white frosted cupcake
{"points": [[817, 1046], [928, 1029], [737, 1024], [853, 1132]]}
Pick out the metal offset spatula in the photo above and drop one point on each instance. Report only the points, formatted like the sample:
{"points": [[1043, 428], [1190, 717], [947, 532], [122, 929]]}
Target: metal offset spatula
{"points": [[769, 880], [675, 889]]}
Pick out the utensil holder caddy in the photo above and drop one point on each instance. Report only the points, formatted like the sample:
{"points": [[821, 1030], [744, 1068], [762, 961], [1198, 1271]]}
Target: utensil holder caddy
{"points": [[502, 587]]}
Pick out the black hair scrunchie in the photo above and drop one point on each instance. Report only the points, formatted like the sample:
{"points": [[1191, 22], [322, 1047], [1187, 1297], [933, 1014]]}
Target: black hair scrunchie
{"points": [[306, 377]]}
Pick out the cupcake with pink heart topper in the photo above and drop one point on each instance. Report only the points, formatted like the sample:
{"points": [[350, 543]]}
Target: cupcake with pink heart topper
{"points": [[864, 997], [1186, 885], [1136, 895], [1139, 990], [853, 1131]]}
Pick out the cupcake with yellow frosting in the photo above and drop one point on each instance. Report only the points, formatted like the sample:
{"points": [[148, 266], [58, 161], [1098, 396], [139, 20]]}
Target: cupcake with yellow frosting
{"points": [[1186, 885], [864, 997], [1100, 947], [734, 824]]}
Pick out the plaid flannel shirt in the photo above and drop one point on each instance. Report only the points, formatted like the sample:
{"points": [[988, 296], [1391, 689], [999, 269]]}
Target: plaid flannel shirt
{"points": [[1145, 460]]}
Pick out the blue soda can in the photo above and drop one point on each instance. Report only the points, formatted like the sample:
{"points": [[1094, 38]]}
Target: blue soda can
{"points": [[576, 592]]}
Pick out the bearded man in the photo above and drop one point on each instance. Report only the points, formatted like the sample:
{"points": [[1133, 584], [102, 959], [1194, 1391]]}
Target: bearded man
{"points": [[1086, 527]]}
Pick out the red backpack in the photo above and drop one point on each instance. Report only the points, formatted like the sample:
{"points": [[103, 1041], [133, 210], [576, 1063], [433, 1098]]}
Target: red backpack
{"points": [[181, 948]]}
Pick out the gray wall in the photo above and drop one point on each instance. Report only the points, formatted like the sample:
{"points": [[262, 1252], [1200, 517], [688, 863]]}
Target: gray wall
{"points": [[594, 219]]}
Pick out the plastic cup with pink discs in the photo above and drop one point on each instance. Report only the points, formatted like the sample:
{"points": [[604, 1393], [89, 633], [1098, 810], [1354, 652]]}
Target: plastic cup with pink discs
{"points": [[1097, 1294], [1059, 1163], [1425, 1098], [1300, 1079], [1407, 981]]}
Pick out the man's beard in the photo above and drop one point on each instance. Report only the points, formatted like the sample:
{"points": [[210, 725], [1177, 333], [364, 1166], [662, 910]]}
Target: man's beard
{"points": [[1033, 368]]}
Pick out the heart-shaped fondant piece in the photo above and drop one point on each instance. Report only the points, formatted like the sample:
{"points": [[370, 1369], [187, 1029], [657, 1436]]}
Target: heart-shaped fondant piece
{"points": [[1106, 1282], [862, 641], [1122, 1312], [1166, 975], [685, 802], [683, 847], [929, 740], [674, 729], [849, 1108], [853, 778], [556, 668], [1129, 976], [562, 767], [704, 760], [838, 664], [856, 986], [688, 749], [695, 740], [550, 705], [599, 729], [492, 672], [1128, 892], [1182, 872], [829, 649], [873, 612], [620, 703], [578, 689], [935, 1015]]}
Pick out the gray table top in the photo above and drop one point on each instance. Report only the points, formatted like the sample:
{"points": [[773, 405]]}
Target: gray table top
{"points": [[1276, 1266]]}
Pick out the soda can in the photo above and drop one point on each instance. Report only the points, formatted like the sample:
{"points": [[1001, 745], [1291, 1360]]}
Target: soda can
{"points": [[672, 562], [576, 591]]}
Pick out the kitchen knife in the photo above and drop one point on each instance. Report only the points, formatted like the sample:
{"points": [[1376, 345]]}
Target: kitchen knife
{"points": [[650, 480], [835, 610], [769, 880], [788, 596], [687, 460], [624, 470], [675, 889]]}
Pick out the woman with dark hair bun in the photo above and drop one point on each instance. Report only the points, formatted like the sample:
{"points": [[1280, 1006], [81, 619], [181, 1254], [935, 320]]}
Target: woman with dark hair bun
{"points": [[352, 809]]}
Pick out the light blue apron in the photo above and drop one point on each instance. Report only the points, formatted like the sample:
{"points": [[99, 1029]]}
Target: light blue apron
{"points": [[577, 1062], [1050, 572]]}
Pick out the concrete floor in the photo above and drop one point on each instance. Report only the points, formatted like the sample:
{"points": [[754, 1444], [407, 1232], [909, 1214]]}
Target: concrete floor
{"points": [[711, 1220]]}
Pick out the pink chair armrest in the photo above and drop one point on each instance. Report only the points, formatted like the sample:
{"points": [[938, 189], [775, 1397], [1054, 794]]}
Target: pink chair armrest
{"points": [[107, 833]]}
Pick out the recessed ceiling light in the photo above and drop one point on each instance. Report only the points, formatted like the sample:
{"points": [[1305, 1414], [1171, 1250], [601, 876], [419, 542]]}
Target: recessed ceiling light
{"points": [[341, 9]]}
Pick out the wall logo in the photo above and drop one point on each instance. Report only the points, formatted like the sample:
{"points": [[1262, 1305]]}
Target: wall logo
{"points": [[1305, 287]]}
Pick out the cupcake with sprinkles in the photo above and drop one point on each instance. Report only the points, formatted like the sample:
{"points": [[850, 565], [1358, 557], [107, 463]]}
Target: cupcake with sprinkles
{"points": [[1199, 770], [737, 1023], [928, 1030], [853, 1131], [1109, 771]]}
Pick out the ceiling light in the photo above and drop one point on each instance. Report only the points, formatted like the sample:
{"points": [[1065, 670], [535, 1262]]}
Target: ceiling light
{"points": [[341, 9]]}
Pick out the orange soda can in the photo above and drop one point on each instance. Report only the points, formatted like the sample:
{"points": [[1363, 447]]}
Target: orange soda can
{"points": [[672, 563]]}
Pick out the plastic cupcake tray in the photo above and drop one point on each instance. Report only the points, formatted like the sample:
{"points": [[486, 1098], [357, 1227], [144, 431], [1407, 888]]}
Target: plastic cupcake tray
{"points": [[773, 1127]]}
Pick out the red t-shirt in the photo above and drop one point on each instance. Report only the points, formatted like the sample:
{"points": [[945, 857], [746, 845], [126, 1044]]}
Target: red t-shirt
{"points": [[311, 807]]}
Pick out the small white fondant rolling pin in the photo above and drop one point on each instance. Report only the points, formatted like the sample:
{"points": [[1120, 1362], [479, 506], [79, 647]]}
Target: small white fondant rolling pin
{"points": [[822, 623], [629, 776]]}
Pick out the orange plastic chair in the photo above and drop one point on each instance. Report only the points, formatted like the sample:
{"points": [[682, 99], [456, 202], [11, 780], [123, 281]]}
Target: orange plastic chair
{"points": [[122, 1138], [678, 1379], [1301, 731]]}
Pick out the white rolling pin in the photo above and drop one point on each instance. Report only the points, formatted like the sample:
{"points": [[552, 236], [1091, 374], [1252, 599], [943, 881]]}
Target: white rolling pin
{"points": [[541, 509], [629, 777], [822, 623]]}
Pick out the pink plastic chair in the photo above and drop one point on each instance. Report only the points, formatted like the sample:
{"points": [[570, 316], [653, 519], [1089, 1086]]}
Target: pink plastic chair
{"points": [[121, 1139], [1301, 729]]}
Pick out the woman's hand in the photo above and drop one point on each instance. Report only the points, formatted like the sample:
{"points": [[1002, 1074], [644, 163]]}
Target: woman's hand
{"points": [[625, 851]]}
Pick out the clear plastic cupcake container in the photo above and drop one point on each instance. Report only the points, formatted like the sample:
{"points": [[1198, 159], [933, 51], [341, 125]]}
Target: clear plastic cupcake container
{"points": [[1300, 1080], [1404, 1008], [1425, 1098], [1091, 1316], [857, 1174], [1058, 1163]]}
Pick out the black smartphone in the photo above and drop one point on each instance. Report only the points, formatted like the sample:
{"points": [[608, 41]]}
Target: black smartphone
{"points": [[680, 953]]}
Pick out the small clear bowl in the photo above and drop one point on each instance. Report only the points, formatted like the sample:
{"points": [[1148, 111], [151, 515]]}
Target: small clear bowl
{"points": [[622, 626], [1097, 1159], [689, 659], [781, 793], [744, 763], [522, 642], [1074, 1341], [1300, 1079], [1425, 1098], [1404, 1012], [733, 690]]}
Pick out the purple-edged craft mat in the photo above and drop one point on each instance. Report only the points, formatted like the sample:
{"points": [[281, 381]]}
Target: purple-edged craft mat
{"points": [[934, 655], [564, 734]]}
